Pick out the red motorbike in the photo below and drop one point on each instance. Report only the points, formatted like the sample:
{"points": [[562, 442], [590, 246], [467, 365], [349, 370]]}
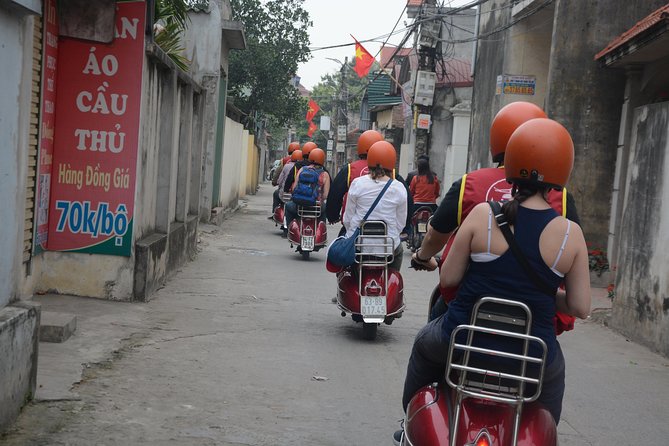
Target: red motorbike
{"points": [[307, 233], [370, 291], [419, 221], [488, 397], [279, 214]]}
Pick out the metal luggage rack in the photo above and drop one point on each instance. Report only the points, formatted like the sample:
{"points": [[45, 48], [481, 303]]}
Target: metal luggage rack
{"points": [[383, 250], [309, 211], [498, 385]]}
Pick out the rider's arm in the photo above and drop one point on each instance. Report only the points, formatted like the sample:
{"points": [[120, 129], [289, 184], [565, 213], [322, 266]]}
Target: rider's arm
{"points": [[402, 209], [292, 187], [338, 189], [437, 188], [351, 207], [326, 186], [277, 174], [457, 260], [575, 300]]}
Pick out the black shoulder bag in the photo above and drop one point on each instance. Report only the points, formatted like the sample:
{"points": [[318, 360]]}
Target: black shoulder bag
{"points": [[517, 252]]}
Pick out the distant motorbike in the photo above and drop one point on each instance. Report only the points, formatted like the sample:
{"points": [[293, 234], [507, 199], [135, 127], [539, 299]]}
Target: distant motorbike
{"points": [[307, 233], [370, 291], [488, 397], [419, 221], [279, 214]]}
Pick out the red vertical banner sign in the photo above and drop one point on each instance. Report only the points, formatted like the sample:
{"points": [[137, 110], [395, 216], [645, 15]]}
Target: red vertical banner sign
{"points": [[47, 123], [96, 139]]}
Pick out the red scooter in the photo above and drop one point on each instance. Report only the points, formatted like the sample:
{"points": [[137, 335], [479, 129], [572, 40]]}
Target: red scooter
{"points": [[370, 291], [483, 402], [307, 233], [279, 214], [419, 221]]}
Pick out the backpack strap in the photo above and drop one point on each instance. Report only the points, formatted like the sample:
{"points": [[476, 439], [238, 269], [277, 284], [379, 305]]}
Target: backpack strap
{"points": [[500, 218]]}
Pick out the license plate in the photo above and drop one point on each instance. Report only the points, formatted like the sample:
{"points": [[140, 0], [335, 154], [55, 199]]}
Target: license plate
{"points": [[307, 243], [422, 227], [373, 306]]}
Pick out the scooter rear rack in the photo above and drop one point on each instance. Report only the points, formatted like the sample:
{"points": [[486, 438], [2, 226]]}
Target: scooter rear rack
{"points": [[504, 319], [309, 211]]}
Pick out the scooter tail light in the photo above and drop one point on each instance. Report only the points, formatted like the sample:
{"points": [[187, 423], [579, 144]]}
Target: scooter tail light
{"points": [[482, 439]]}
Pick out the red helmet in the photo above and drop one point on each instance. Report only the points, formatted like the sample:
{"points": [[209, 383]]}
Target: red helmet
{"points": [[507, 120], [539, 152], [382, 154], [366, 140], [307, 148], [317, 156], [293, 146], [296, 155]]}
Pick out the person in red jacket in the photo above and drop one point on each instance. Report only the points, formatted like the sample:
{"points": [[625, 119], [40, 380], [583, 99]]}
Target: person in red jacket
{"points": [[424, 187]]}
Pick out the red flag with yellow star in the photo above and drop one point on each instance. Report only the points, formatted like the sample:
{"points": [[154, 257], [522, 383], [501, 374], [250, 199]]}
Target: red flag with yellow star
{"points": [[312, 128], [312, 110], [363, 60]]}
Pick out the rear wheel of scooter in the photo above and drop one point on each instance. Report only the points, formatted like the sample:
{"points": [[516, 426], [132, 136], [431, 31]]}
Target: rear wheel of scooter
{"points": [[305, 254], [369, 331]]}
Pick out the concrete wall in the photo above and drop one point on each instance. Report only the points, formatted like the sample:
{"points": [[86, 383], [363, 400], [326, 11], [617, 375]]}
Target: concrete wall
{"points": [[489, 63], [233, 148], [578, 93], [16, 38], [641, 308], [19, 321]]}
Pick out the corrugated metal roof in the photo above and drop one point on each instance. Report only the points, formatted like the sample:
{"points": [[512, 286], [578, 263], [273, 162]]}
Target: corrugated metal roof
{"points": [[641, 26], [378, 92]]}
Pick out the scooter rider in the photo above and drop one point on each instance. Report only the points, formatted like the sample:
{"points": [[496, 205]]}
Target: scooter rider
{"points": [[276, 181], [316, 162], [479, 186], [539, 157], [392, 207], [336, 205]]}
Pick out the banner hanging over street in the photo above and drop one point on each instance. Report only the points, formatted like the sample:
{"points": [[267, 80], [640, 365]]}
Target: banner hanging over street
{"points": [[96, 139]]}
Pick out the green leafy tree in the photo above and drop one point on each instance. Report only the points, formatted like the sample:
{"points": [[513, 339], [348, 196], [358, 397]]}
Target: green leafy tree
{"points": [[277, 41], [171, 20]]}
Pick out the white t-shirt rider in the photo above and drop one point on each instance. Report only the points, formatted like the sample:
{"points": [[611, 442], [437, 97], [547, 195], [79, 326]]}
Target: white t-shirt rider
{"points": [[392, 208]]}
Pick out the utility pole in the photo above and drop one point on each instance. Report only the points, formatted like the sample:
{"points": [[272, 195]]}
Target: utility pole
{"points": [[344, 102], [428, 39]]}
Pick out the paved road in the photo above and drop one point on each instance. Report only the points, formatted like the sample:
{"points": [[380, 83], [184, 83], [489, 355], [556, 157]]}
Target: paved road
{"points": [[244, 347]]}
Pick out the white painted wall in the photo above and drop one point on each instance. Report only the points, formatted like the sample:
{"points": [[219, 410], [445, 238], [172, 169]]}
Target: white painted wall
{"points": [[233, 147], [455, 164], [15, 43]]}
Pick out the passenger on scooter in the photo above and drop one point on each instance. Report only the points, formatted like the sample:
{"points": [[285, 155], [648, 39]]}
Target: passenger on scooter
{"points": [[481, 185], [539, 157], [391, 209], [424, 187], [279, 174], [336, 205], [290, 177], [414, 172], [316, 190]]}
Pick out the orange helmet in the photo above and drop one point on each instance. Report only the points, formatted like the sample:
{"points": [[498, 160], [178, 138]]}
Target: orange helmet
{"points": [[293, 146], [366, 140], [296, 155], [382, 154], [307, 148], [507, 120], [317, 156], [539, 152]]}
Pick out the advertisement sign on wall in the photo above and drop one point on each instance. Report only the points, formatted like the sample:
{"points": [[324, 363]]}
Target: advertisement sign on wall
{"points": [[516, 84], [96, 139], [47, 124]]}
